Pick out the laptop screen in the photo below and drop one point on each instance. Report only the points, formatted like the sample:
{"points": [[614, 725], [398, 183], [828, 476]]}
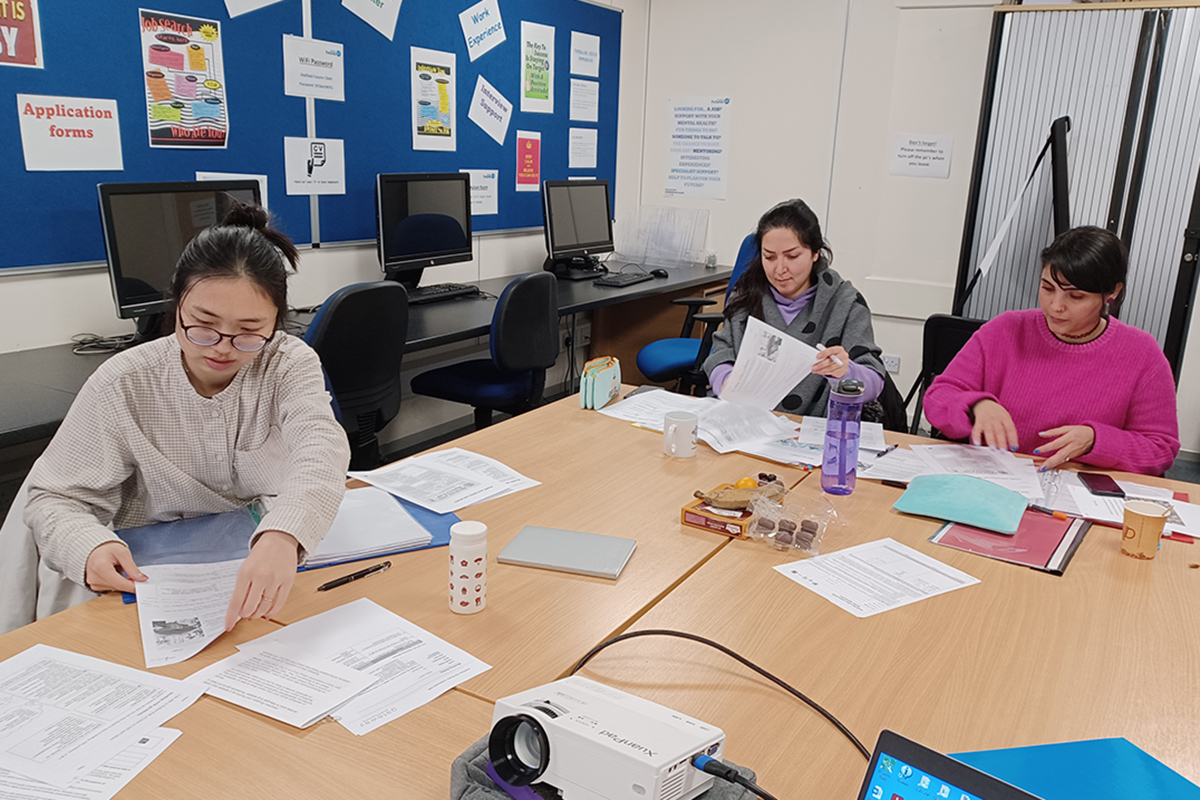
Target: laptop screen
{"points": [[902, 769], [894, 779]]}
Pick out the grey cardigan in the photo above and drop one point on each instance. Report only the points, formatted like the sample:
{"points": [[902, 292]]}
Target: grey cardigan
{"points": [[838, 314]]}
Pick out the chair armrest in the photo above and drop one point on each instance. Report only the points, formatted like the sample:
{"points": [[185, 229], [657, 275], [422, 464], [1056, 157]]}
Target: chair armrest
{"points": [[694, 304], [711, 321], [710, 316]]}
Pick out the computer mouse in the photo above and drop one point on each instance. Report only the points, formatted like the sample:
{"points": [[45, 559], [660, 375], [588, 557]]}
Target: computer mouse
{"points": [[659, 273]]}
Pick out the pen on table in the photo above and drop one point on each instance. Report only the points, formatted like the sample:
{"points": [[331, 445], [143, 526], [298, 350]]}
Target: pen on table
{"points": [[353, 576], [1051, 512], [836, 360], [886, 450]]}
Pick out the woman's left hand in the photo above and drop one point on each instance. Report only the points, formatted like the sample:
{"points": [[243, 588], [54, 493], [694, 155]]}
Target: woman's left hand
{"points": [[832, 362], [265, 578], [1071, 441]]}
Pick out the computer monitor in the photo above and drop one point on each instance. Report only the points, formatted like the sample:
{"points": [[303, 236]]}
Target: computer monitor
{"points": [[422, 220], [578, 219], [146, 227]]}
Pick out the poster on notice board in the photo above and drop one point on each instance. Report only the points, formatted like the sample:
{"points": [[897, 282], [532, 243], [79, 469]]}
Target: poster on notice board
{"points": [[184, 79]]}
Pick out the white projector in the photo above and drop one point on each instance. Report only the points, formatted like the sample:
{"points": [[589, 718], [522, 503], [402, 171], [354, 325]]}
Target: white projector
{"points": [[592, 742]]}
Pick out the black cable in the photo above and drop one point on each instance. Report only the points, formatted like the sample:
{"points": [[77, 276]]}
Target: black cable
{"points": [[741, 660], [92, 344], [754, 787], [726, 772]]}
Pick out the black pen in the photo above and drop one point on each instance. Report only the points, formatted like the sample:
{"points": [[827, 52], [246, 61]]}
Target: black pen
{"points": [[353, 576]]}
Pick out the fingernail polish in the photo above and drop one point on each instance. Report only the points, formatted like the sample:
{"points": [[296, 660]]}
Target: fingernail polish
{"points": [[1035, 452], [1013, 448]]}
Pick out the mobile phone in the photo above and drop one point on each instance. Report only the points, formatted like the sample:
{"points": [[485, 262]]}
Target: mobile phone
{"points": [[1100, 484]]}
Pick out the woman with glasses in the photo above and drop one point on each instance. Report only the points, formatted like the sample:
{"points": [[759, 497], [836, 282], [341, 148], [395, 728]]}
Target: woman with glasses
{"points": [[227, 410]]}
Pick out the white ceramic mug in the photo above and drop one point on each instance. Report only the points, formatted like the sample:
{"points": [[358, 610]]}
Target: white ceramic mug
{"points": [[679, 434]]}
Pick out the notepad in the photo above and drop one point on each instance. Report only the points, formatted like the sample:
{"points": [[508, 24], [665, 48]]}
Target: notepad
{"points": [[568, 551]]}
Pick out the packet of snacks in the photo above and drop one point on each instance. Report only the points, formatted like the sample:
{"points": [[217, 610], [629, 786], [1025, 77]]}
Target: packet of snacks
{"points": [[796, 523]]}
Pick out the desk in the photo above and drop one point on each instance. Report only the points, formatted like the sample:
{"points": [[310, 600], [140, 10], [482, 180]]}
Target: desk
{"points": [[38, 386], [1022, 658], [598, 475]]}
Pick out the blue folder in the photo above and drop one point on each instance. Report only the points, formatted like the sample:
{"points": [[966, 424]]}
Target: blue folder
{"points": [[1099, 769], [226, 537]]}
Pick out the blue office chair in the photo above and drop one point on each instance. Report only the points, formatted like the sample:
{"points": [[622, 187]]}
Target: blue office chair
{"points": [[682, 359], [524, 344], [359, 333]]}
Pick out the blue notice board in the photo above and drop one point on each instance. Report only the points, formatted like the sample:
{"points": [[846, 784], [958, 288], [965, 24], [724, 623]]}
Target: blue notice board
{"points": [[93, 50]]}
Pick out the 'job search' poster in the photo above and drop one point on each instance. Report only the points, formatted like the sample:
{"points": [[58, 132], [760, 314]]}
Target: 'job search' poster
{"points": [[184, 75]]}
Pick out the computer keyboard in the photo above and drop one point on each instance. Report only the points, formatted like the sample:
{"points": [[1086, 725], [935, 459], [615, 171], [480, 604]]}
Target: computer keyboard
{"points": [[432, 292], [620, 279]]}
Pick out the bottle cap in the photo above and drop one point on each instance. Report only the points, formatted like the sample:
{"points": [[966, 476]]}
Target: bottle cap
{"points": [[850, 387], [469, 532]]}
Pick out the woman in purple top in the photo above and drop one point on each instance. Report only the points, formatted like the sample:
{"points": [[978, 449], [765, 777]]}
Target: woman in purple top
{"points": [[790, 286], [1066, 381]]}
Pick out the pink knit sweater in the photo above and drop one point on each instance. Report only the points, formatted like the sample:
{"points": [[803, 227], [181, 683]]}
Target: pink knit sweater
{"points": [[1120, 384]]}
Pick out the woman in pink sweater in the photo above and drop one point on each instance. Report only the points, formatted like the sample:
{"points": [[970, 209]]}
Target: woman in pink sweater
{"points": [[1066, 381]]}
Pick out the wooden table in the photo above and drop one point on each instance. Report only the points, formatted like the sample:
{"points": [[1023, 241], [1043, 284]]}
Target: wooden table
{"points": [[599, 475], [1112, 648], [228, 751]]}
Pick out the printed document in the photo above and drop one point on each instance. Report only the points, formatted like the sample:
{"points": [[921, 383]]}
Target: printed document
{"points": [[997, 466], [769, 365], [181, 608], [727, 427], [870, 434], [1183, 517], [369, 523], [66, 714], [101, 783], [646, 409], [298, 689], [409, 666], [447, 480], [894, 465], [876, 576]]}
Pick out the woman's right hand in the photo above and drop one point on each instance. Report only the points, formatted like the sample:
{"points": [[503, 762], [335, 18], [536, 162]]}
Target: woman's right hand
{"points": [[993, 426], [105, 565]]}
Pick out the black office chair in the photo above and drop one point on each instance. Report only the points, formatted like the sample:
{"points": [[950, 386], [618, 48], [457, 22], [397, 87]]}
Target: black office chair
{"points": [[944, 336], [524, 344], [359, 333], [682, 359]]}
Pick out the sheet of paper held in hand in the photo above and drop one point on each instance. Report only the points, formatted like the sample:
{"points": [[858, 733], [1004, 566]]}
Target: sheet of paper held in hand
{"points": [[101, 783], [875, 576], [296, 688], [409, 666], [66, 714], [769, 365], [447, 480], [181, 608]]}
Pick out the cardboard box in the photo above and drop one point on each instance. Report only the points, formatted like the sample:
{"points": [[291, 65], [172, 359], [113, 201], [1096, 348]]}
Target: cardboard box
{"points": [[699, 514]]}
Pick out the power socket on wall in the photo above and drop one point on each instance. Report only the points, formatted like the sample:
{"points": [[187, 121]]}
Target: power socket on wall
{"points": [[892, 364]]}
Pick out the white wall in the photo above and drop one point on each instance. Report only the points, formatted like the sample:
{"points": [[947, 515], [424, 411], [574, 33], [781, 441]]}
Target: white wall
{"points": [[818, 87]]}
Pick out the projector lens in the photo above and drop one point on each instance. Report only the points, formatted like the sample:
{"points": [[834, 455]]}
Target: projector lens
{"points": [[519, 749]]}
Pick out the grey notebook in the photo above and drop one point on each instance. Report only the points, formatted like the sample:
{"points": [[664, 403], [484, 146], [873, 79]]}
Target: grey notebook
{"points": [[568, 551]]}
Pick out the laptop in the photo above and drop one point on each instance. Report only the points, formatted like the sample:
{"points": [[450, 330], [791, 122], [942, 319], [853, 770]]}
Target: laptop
{"points": [[901, 769]]}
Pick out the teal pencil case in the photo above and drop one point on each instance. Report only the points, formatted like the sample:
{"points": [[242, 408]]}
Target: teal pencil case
{"points": [[966, 499]]}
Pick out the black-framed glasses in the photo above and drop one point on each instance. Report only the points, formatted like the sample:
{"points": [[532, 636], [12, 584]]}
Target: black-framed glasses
{"points": [[207, 337]]}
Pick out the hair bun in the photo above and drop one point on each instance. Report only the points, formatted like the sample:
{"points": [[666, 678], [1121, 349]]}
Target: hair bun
{"points": [[242, 215]]}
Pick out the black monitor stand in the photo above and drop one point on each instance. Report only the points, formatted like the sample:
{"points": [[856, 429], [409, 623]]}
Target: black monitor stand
{"points": [[408, 278], [579, 268], [147, 328]]}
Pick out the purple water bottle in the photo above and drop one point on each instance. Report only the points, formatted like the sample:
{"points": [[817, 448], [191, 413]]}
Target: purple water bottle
{"points": [[840, 462]]}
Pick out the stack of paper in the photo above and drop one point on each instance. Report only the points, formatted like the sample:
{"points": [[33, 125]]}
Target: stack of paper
{"points": [[996, 466], [80, 727], [370, 523], [447, 480], [359, 662]]}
